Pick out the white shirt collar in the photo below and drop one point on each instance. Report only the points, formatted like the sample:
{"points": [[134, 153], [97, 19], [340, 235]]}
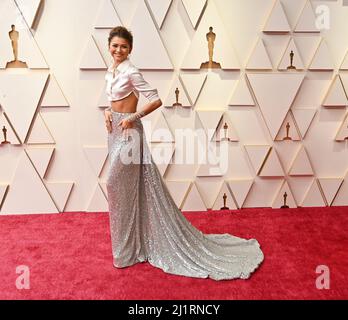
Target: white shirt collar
{"points": [[122, 67]]}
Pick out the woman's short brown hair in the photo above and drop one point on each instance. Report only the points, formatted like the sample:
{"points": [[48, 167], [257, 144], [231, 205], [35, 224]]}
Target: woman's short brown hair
{"points": [[121, 32]]}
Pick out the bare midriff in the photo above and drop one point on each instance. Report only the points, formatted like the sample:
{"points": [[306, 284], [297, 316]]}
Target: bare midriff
{"points": [[128, 104]]}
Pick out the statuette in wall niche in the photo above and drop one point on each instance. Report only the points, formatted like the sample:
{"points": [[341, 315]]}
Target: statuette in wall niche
{"points": [[4, 131], [211, 36], [287, 132], [291, 67], [14, 37], [225, 138], [177, 103], [224, 207], [285, 206]]}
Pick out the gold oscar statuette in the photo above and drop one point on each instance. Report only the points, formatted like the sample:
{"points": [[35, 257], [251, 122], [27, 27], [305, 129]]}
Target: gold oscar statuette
{"points": [[287, 132], [4, 131], [285, 206], [14, 37], [211, 36], [225, 138], [224, 207], [177, 104], [291, 61]]}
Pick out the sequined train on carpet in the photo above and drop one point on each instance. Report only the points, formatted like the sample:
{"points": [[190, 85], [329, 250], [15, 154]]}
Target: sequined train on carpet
{"points": [[146, 224]]}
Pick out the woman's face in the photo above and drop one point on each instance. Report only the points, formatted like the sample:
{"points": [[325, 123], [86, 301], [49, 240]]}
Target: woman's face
{"points": [[119, 49]]}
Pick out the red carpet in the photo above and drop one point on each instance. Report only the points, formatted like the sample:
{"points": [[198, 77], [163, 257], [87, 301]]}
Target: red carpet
{"points": [[69, 256]]}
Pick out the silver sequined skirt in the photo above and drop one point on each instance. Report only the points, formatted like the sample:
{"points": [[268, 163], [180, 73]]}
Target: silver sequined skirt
{"points": [[146, 224]]}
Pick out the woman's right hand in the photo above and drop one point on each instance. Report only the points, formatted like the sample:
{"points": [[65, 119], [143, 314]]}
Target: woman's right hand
{"points": [[108, 120]]}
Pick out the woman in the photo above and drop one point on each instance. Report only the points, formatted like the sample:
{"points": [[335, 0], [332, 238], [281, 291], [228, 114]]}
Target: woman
{"points": [[145, 223]]}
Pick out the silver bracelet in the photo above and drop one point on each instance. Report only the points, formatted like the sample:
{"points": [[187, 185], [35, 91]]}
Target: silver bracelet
{"points": [[135, 116]]}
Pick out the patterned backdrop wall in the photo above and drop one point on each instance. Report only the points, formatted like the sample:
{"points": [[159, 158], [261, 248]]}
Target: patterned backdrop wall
{"points": [[276, 102]]}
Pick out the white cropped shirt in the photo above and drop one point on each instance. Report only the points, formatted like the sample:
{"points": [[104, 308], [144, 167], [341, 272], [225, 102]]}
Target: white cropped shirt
{"points": [[127, 79]]}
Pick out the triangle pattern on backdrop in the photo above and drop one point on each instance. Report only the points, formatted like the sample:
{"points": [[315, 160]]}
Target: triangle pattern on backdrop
{"points": [[210, 120], [344, 65], [287, 151], [272, 166], [194, 83], [288, 131], [11, 136], [219, 201], [259, 59], [301, 165], [159, 9], [209, 189], [242, 95], [257, 155], [161, 131], [342, 133], [330, 187], [284, 197], [126, 10], [193, 200], [54, 96], [60, 192], [341, 199], [40, 133], [275, 92], [25, 104], [336, 96], [103, 186], [277, 21], [100, 37], [194, 10], [3, 192], [92, 58], [313, 198], [178, 190], [98, 202], [286, 61], [143, 28], [307, 20], [228, 134], [107, 16], [96, 156], [28, 50], [37, 200], [223, 51], [307, 46], [322, 59], [182, 97], [240, 189], [303, 118], [29, 10], [40, 158]]}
